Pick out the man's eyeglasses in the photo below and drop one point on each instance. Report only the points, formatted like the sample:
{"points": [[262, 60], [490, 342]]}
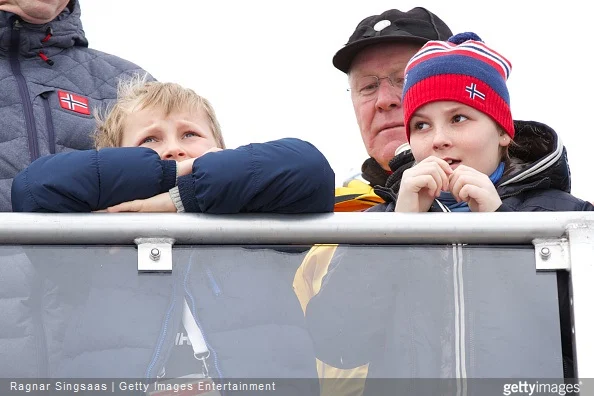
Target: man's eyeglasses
{"points": [[368, 86]]}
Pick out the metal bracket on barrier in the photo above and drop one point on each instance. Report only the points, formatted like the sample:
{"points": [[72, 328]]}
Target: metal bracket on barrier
{"points": [[551, 254], [155, 254]]}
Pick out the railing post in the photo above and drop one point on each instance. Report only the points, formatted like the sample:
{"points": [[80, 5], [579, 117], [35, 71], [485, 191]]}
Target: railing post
{"points": [[581, 252]]}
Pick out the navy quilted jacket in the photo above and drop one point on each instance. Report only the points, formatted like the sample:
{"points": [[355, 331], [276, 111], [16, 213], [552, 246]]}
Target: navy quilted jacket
{"points": [[50, 82]]}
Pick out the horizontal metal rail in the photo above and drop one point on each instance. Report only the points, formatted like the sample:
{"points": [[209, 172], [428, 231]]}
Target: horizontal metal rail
{"points": [[354, 228]]}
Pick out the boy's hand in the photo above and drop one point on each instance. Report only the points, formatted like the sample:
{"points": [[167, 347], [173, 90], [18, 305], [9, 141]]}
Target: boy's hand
{"points": [[469, 185], [422, 183], [158, 203], [185, 167]]}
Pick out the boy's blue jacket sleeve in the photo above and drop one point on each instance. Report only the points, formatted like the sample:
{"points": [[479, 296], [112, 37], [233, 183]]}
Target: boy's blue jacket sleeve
{"points": [[283, 176], [84, 181]]}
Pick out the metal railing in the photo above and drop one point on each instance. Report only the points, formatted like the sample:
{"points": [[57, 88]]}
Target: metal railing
{"points": [[574, 230], [356, 228]]}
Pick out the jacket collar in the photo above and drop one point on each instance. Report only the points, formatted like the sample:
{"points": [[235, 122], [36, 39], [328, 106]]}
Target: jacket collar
{"points": [[373, 172], [66, 32], [539, 155]]}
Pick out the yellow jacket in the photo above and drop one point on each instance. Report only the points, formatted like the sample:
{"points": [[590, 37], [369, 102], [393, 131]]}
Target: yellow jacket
{"points": [[356, 196], [307, 283]]}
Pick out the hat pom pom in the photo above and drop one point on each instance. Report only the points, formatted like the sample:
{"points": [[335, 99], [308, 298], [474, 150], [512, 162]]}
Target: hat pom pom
{"points": [[462, 37]]}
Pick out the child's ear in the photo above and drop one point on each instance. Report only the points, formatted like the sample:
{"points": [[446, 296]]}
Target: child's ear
{"points": [[504, 139]]}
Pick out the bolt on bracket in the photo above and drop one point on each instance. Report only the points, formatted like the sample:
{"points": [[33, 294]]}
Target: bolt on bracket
{"points": [[551, 254], [155, 254]]}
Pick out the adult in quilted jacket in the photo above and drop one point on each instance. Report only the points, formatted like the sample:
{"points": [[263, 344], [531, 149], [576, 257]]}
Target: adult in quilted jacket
{"points": [[50, 82]]}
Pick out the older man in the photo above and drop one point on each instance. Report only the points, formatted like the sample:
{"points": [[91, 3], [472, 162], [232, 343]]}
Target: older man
{"points": [[374, 59], [50, 83]]}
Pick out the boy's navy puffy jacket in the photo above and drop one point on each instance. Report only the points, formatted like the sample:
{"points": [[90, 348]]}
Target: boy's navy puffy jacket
{"points": [[37, 114], [76, 318], [283, 176]]}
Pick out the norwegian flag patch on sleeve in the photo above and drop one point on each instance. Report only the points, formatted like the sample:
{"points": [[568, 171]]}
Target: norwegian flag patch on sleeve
{"points": [[69, 101]]}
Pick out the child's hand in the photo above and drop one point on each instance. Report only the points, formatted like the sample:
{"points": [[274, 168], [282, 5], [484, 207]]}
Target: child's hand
{"points": [[469, 185], [422, 183], [185, 167], [158, 203]]}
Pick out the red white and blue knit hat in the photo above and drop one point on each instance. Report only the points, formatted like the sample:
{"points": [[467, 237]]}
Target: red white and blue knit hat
{"points": [[462, 69]]}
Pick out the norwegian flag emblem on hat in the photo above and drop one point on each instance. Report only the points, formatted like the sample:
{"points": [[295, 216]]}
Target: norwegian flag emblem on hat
{"points": [[78, 104]]}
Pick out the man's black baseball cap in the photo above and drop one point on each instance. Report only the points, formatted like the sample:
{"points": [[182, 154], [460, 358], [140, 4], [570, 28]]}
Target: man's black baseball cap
{"points": [[417, 25]]}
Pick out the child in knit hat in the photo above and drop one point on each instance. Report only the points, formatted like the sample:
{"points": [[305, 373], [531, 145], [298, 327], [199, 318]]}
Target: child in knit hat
{"points": [[460, 128], [468, 154]]}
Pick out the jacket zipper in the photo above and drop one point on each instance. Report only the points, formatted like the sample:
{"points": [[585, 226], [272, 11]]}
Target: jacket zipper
{"points": [[51, 135], [162, 335], [15, 39]]}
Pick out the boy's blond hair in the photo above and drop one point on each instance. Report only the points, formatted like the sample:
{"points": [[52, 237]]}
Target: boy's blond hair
{"points": [[138, 94]]}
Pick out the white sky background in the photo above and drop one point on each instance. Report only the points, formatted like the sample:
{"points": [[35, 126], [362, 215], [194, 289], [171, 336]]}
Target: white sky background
{"points": [[267, 65]]}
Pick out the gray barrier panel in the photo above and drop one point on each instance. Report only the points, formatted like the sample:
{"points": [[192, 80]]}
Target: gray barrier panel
{"points": [[413, 312], [439, 312]]}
